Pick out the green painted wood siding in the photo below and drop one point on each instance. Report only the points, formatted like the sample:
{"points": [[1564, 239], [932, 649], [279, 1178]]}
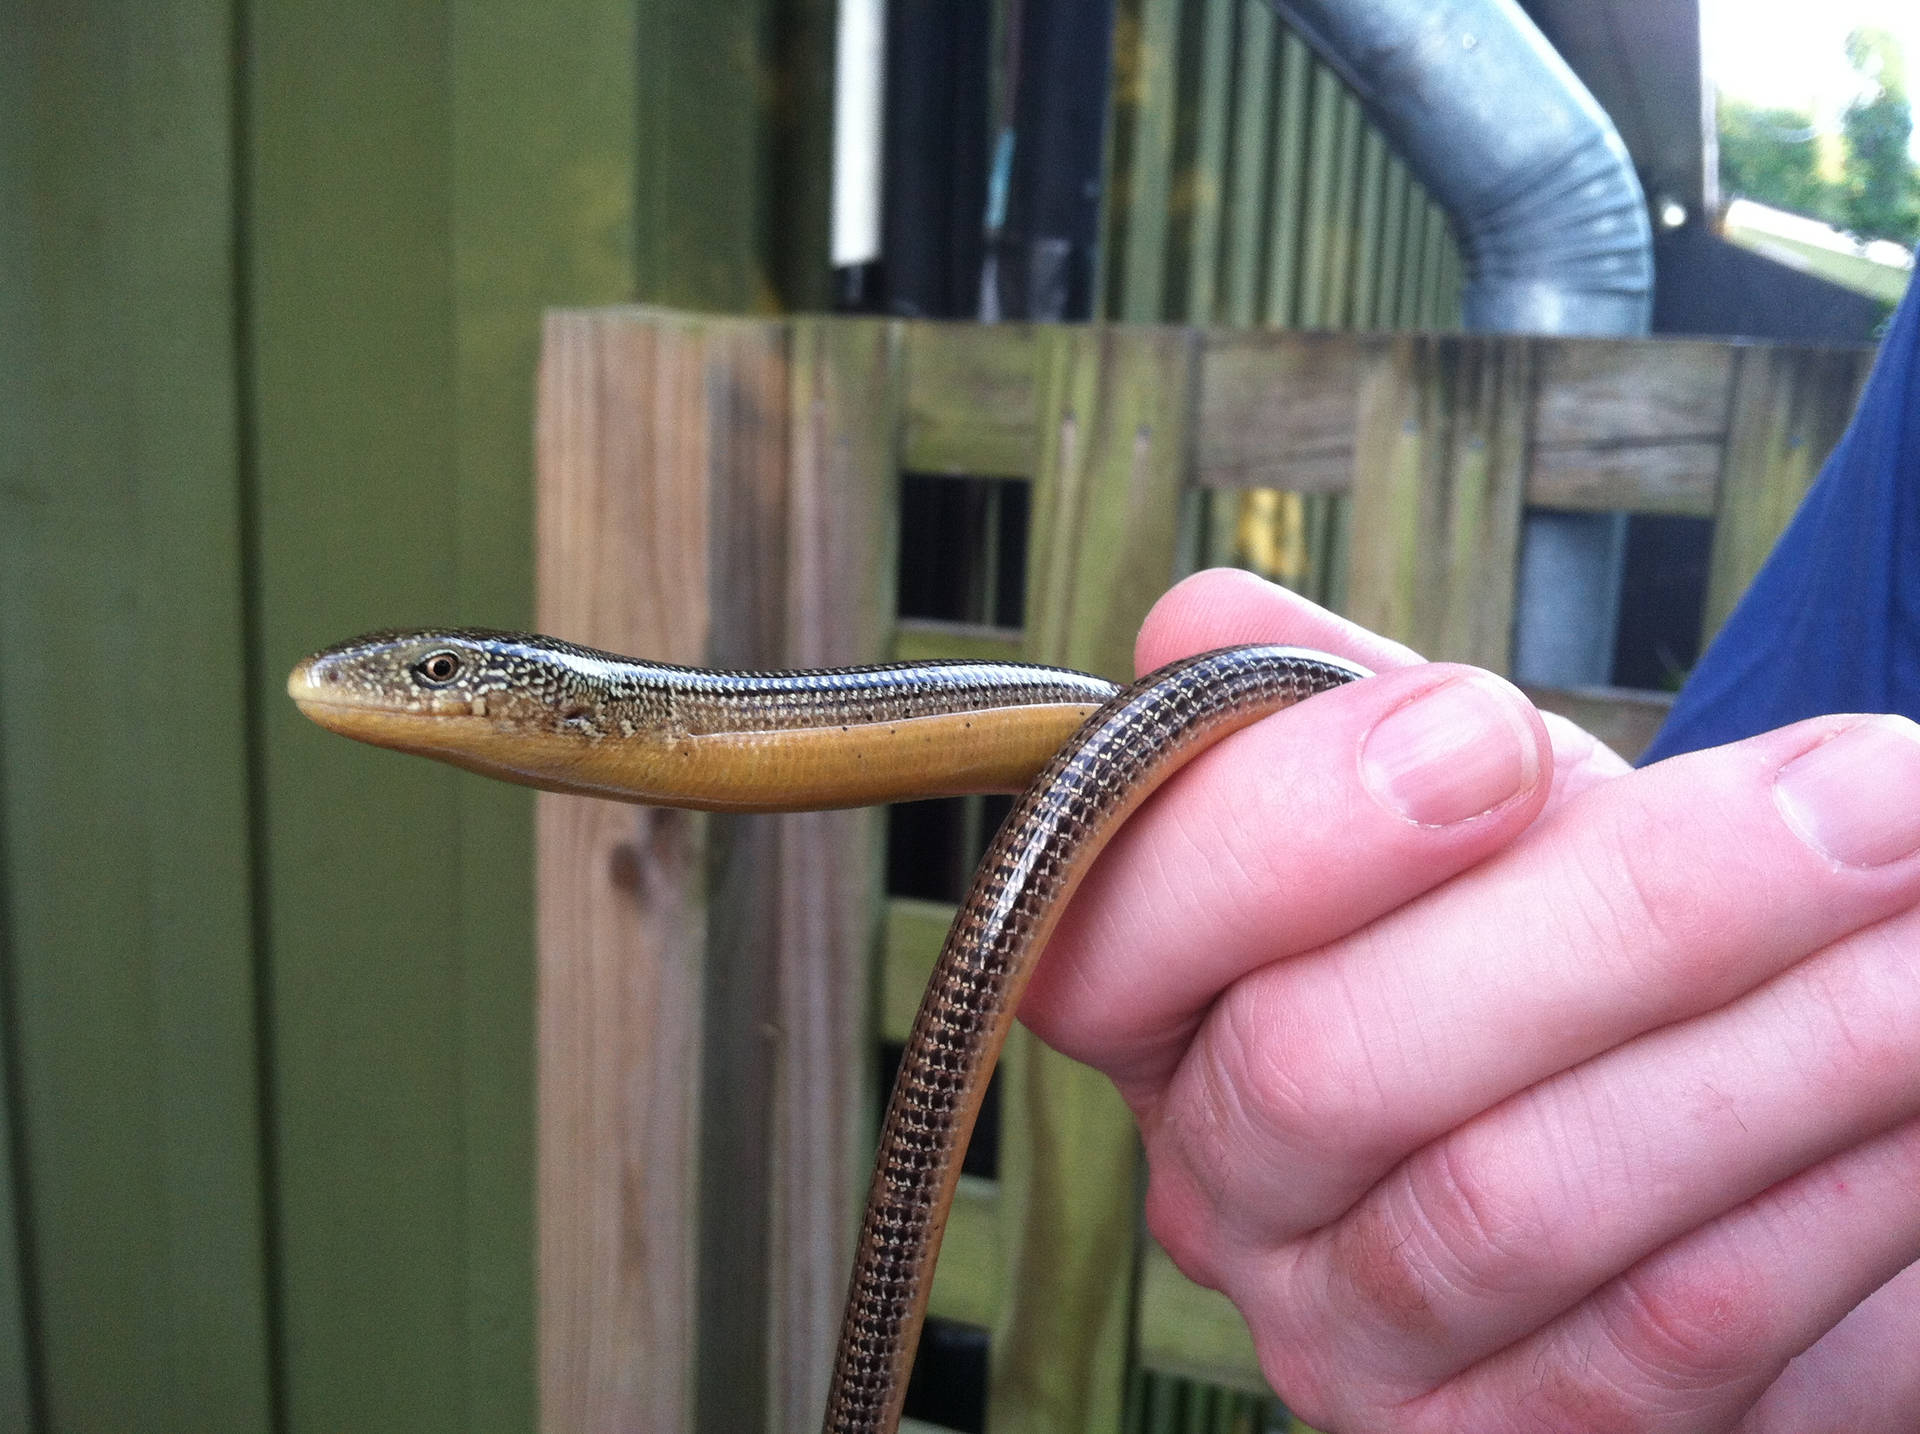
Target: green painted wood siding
{"points": [[271, 274], [1246, 186]]}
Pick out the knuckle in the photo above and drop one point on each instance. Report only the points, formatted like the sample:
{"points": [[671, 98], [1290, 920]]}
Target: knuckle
{"points": [[1481, 1231], [1664, 918], [1688, 1334], [1301, 1086]]}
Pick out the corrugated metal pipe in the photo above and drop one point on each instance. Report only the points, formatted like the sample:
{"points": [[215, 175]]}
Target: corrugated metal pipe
{"points": [[1549, 213], [1552, 225]]}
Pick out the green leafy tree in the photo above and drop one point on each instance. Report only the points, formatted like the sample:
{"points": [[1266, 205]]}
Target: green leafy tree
{"points": [[1880, 192], [1771, 155]]}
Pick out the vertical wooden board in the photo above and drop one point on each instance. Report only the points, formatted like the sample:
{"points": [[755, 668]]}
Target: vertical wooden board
{"points": [[744, 413], [1413, 244], [19, 1394], [1319, 214], [1347, 177], [1146, 38], [1205, 110], [1483, 495], [1366, 259], [848, 383], [623, 561], [1438, 480], [1390, 446], [1288, 193], [1115, 425], [543, 111], [1436, 245], [1248, 219], [125, 899], [702, 161], [1602, 391], [1788, 408], [1393, 232], [350, 270], [1116, 432]]}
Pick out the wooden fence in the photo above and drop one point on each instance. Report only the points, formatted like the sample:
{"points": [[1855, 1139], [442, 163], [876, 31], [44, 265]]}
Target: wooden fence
{"points": [[717, 490]]}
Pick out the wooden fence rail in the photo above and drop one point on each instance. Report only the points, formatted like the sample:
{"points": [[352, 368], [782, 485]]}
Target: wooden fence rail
{"points": [[720, 490]]}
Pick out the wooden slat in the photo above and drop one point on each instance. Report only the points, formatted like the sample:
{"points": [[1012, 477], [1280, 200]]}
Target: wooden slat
{"points": [[623, 561], [1680, 478], [915, 929], [1789, 408], [1106, 511], [744, 418], [1147, 39], [1342, 244], [126, 911], [1249, 215], [1200, 196], [1366, 262], [969, 399], [1192, 1332], [969, 1283], [1437, 495], [1621, 391], [1395, 187], [842, 507], [1323, 181], [1277, 410], [729, 201], [1287, 192]]}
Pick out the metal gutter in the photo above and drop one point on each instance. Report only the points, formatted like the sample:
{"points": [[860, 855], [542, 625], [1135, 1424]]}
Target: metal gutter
{"points": [[1553, 228]]}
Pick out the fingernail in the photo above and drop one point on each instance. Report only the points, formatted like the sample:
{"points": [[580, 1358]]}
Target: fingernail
{"points": [[1856, 797], [1454, 752]]}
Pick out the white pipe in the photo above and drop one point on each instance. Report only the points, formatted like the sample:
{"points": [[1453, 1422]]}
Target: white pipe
{"points": [[859, 86]]}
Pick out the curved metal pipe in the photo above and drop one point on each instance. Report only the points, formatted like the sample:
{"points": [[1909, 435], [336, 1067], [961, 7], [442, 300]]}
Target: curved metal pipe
{"points": [[1549, 212]]}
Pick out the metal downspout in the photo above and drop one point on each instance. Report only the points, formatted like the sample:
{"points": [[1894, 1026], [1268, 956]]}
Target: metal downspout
{"points": [[1553, 228]]}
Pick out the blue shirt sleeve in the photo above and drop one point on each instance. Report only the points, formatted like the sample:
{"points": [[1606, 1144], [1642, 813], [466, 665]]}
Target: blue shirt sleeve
{"points": [[1832, 622]]}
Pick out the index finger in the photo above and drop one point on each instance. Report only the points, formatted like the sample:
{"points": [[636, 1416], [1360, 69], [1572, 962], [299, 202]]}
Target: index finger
{"points": [[1224, 606]]}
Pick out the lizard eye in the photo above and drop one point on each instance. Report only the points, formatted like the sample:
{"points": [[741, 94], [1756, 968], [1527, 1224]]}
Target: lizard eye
{"points": [[438, 668]]}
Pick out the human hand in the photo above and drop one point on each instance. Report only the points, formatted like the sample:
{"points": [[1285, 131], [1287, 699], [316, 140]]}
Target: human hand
{"points": [[1503, 1088]]}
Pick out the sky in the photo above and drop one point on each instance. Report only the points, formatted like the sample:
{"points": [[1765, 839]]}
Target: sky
{"points": [[1793, 52]]}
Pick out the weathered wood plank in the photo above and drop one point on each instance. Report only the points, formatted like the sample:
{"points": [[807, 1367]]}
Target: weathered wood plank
{"points": [[1116, 429], [1277, 409], [1620, 391], [842, 508], [969, 399], [1437, 496], [1680, 478], [1789, 408], [623, 555], [745, 413]]}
